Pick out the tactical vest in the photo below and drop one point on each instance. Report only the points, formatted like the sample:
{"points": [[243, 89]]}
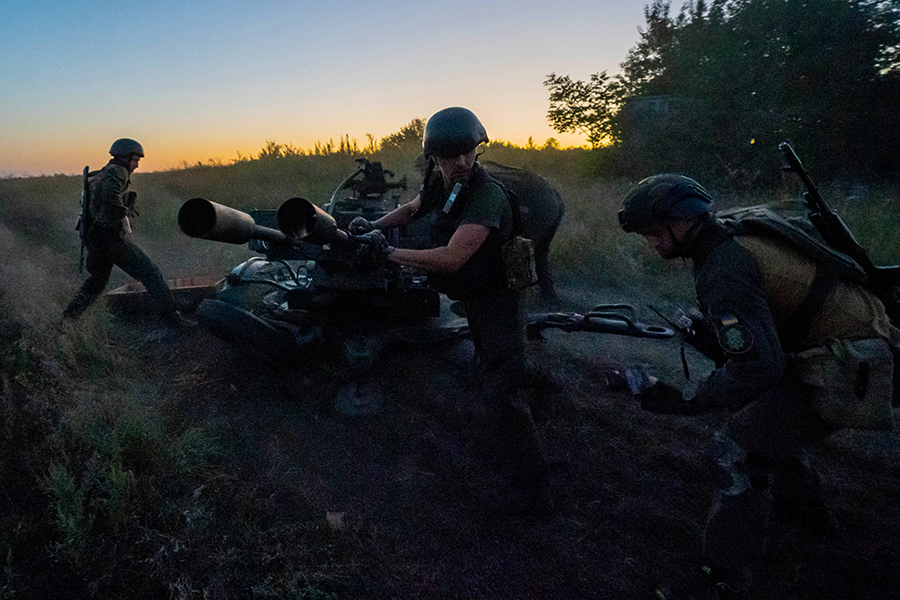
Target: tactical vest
{"points": [[482, 274], [796, 232], [807, 279], [103, 212], [837, 330]]}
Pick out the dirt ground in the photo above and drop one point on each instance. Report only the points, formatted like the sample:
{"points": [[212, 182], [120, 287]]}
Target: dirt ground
{"points": [[392, 504]]}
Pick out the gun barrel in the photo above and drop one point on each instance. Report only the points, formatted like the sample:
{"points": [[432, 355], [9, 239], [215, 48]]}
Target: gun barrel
{"points": [[200, 218], [302, 221]]}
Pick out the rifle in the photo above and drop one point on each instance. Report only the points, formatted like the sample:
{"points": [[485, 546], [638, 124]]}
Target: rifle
{"points": [[84, 217], [883, 281]]}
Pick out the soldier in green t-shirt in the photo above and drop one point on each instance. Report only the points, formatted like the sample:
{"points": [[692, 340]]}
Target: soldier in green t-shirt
{"points": [[470, 218]]}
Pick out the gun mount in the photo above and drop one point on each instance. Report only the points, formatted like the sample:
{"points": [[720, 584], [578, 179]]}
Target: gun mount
{"points": [[368, 194], [311, 285]]}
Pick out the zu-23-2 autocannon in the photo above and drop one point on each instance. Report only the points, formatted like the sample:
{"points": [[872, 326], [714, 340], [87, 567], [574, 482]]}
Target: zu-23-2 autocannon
{"points": [[315, 286]]}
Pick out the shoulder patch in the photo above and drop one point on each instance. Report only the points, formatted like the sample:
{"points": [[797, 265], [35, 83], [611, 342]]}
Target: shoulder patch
{"points": [[733, 337], [728, 320]]}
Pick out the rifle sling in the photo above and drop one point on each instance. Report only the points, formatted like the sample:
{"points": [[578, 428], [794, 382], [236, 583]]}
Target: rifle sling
{"points": [[797, 328]]}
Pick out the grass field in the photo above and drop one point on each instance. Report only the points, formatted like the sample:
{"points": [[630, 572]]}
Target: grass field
{"points": [[140, 466]]}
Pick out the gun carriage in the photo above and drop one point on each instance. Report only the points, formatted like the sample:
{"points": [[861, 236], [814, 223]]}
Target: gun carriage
{"points": [[314, 285]]}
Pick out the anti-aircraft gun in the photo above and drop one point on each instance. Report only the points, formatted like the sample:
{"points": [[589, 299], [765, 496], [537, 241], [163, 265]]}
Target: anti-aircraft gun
{"points": [[313, 287]]}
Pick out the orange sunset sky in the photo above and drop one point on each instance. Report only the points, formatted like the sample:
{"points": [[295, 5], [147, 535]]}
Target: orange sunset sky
{"points": [[194, 81]]}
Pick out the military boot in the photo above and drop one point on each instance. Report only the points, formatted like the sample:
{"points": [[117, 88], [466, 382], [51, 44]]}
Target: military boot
{"points": [[178, 324], [78, 305]]}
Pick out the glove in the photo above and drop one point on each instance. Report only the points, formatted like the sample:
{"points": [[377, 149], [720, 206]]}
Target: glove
{"points": [[665, 399], [373, 246], [125, 229], [377, 240], [360, 225]]}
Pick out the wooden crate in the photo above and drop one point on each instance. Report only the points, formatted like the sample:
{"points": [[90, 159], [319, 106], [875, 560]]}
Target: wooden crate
{"points": [[188, 292]]}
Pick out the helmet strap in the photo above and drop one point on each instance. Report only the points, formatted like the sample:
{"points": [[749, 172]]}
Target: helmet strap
{"points": [[429, 170]]}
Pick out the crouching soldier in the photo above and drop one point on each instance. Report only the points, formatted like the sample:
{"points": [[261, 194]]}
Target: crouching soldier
{"points": [[807, 352], [106, 232]]}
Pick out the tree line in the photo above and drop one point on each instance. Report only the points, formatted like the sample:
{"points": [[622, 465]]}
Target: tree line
{"points": [[712, 90]]}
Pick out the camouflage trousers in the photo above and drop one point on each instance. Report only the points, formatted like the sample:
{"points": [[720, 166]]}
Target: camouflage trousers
{"points": [[106, 250], [759, 457]]}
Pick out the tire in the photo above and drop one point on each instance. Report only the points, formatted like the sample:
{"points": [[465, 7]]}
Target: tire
{"points": [[246, 330]]}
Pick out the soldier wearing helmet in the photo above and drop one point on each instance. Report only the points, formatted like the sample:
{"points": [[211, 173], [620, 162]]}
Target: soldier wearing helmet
{"points": [[107, 236], [780, 318], [663, 202], [470, 217]]}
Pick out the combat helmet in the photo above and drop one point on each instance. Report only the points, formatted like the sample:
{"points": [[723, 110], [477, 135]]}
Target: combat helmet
{"points": [[125, 148], [452, 131], [663, 198]]}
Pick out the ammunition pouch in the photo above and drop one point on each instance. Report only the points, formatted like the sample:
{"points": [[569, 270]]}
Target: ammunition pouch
{"points": [[517, 254], [851, 382], [519, 270]]}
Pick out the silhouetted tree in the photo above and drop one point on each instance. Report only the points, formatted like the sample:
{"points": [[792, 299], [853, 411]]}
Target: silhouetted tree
{"points": [[409, 134], [586, 107], [717, 86], [754, 72]]}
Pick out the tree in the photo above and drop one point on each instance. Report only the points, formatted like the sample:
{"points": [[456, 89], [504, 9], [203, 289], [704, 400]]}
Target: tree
{"points": [[756, 72], [645, 63], [586, 107], [409, 134]]}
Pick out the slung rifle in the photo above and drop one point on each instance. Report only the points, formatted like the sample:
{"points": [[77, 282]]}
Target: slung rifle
{"points": [[883, 281]]}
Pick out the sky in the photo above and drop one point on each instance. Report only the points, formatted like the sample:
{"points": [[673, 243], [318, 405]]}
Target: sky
{"points": [[209, 80]]}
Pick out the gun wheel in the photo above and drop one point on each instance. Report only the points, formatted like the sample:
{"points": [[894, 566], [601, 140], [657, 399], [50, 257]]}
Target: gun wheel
{"points": [[242, 328]]}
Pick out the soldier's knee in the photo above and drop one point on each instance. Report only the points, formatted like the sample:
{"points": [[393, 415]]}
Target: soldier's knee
{"points": [[152, 278]]}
